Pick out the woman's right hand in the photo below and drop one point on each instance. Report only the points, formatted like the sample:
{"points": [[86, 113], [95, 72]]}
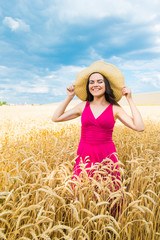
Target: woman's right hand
{"points": [[70, 91]]}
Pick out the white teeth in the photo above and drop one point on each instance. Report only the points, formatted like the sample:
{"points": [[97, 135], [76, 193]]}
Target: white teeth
{"points": [[96, 90]]}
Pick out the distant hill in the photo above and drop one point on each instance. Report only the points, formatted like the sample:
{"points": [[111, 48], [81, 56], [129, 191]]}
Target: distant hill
{"points": [[140, 99], [144, 99]]}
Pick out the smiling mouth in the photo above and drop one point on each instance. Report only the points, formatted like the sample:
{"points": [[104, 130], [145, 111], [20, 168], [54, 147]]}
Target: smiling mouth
{"points": [[96, 89]]}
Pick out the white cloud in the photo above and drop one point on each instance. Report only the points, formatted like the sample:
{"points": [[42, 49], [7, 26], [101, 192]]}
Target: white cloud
{"points": [[146, 50], [25, 86], [140, 75], [75, 11], [33, 89], [58, 91], [151, 78], [78, 11], [156, 28], [94, 55], [61, 78], [157, 40], [16, 24], [64, 75], [3, 68], [143, 65], [116, 59], [56, 82]]}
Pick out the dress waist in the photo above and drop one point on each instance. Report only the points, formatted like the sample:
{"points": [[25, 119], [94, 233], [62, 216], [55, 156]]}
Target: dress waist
{"points": [[96, 135]]}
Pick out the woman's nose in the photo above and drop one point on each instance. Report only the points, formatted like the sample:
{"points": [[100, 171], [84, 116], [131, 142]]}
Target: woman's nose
{"points": [[95, 83]]}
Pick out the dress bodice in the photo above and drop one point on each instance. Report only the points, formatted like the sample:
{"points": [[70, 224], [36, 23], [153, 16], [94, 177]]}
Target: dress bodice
{"points": [[97, 130]]}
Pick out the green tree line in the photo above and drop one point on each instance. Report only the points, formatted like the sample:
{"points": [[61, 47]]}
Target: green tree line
{"points": [[3, 103]]}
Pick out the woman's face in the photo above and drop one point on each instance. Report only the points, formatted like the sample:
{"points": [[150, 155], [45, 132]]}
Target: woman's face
{"points": [[96, 85]]}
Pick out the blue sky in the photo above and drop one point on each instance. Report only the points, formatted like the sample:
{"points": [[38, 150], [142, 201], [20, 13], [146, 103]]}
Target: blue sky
{"points": [[45, 43]]}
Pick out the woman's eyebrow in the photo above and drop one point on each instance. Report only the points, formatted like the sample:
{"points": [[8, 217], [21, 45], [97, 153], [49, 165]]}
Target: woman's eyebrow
{"points": [[97, 79]]}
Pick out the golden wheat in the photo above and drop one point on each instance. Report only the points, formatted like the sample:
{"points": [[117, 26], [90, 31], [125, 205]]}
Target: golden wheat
{"points": [[37, 200]]}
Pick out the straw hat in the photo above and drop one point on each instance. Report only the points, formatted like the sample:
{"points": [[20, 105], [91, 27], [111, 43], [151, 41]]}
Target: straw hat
{"points": [[112, 73]]}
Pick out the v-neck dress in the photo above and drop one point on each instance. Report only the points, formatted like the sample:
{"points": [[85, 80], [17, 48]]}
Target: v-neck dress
{"points": [[96, 142]]}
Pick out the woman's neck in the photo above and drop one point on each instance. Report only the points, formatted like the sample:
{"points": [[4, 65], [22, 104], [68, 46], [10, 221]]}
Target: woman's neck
{"points": [[99, 100]]}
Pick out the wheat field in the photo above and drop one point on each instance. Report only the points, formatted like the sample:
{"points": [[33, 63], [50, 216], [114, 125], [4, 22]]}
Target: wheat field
{"points": [[37, 197]]}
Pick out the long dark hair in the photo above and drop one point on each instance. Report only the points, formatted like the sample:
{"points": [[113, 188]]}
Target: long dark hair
{"points": [[109, 95]]}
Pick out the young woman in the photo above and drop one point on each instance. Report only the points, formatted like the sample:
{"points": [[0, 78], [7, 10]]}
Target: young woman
{"points": [[100, 86]]}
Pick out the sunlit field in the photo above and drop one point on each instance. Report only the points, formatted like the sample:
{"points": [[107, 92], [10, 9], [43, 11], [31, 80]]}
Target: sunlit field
{"points": [[39, 199]]}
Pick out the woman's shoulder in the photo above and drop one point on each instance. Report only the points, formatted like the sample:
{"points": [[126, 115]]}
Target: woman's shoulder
{"points": [[81, 106], [116, 109]]}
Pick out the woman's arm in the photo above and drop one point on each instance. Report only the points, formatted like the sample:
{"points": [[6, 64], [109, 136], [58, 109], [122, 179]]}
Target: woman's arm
{"points": [[60, 115], [135, 122]]}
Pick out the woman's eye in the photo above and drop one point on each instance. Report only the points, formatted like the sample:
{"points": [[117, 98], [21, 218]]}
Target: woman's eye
{"points": [[99, 81]]}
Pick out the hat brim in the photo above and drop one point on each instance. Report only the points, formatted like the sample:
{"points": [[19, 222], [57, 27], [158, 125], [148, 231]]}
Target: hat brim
{"points": [[111, 72]]}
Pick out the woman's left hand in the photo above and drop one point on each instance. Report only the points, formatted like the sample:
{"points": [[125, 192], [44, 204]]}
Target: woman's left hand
{"points": [[126, 92]]}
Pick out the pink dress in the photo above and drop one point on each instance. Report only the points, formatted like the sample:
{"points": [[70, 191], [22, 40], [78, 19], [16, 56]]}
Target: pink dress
{"points": [[96, 139]]}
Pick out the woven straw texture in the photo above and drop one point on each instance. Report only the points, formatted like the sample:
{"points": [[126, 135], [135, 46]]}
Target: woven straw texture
{"points": [[111, 72]]}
